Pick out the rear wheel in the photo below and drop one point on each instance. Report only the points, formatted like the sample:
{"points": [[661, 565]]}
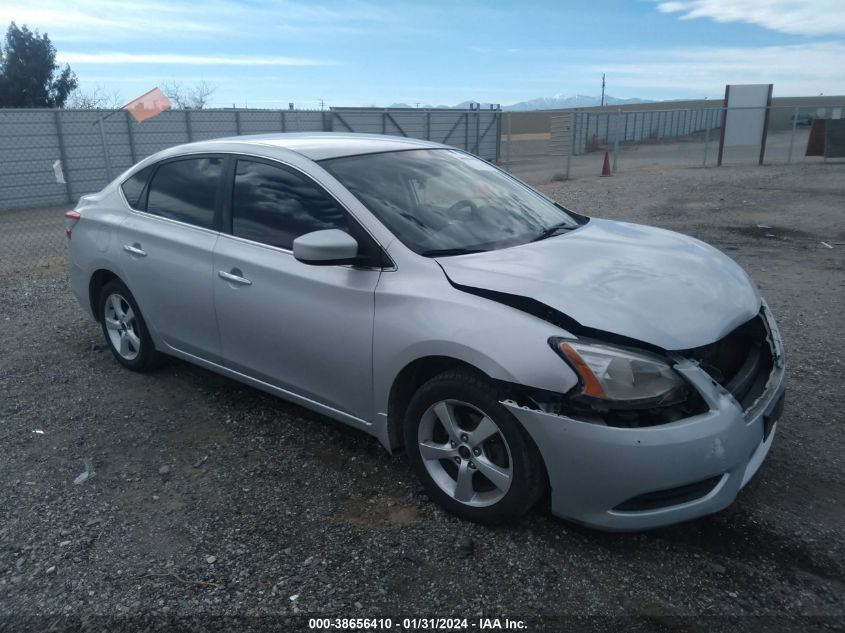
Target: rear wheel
{"points": [[124, 328], [470, 453]]}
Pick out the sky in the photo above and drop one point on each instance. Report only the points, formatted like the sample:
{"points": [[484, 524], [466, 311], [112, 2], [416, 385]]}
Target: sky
{"points": [[267, 53]]}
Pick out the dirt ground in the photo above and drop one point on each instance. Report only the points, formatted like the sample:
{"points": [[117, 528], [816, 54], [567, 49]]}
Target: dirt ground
{"points": [[211, 498]]}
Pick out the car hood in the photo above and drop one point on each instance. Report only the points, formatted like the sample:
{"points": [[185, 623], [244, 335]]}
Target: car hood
{"points": [[641, 282]]}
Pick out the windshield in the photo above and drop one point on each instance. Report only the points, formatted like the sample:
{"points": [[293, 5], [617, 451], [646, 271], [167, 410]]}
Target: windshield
{"points": [[445, 202]]}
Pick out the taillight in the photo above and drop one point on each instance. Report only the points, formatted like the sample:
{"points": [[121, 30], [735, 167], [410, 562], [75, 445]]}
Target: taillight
{"points": [[73, 218]]}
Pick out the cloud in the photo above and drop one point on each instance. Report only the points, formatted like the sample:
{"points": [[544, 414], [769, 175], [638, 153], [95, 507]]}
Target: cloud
{"points": [[92, 20], [801, 69], [796, 17], [106, 20], [186, 60]]}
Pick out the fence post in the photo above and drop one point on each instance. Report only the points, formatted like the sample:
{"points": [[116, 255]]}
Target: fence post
{"points": [[106, 156], [63, 154], [596, 133], [428, 126], [767, 113], [478, 129], [707, 136], [616, 122], [572, 116], [237, 122], [188, 128], [131, 136], [383, 122], [466, 130], [586, 128], [282, 117], [792, 137], [498, 134], [508, 147]]}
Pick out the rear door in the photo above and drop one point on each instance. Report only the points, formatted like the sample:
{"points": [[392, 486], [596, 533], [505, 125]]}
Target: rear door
{"points": [[306, 329], [167, 247]]}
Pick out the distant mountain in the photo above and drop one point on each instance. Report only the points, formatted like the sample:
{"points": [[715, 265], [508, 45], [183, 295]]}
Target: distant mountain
{"points": [[464, 105], [541, 103], [428, 106], [564, 101]]}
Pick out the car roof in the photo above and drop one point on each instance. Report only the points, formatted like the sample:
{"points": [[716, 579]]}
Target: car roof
{"points": [[318, 145]]}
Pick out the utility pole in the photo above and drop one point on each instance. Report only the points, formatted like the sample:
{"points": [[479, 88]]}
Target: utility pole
{"points": [[322, 105], [602, 88]]}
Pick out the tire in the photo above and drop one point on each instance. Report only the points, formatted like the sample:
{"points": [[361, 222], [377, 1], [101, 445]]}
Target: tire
{"points": [[483, 434], [124, 328]]}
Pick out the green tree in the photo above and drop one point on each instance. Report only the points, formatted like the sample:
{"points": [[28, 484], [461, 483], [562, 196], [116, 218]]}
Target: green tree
{"points": [[29, 75]]}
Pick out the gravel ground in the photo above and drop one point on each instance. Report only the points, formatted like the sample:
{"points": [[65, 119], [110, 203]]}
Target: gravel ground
{"points": [[212, 498]]}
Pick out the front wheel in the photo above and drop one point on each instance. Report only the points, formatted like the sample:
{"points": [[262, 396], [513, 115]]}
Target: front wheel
{"points": [[470, 453]]}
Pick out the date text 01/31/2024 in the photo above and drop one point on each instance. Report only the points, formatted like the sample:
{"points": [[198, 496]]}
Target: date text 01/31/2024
{"points": [[416, 624]]}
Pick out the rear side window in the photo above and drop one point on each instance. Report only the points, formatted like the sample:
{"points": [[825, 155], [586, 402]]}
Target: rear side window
{"points": [[186, 190], [133, 187], [274, 206]]}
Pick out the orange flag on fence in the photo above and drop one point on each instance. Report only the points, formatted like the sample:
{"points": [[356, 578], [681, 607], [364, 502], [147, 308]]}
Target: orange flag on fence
{"points": [[148, 105]]}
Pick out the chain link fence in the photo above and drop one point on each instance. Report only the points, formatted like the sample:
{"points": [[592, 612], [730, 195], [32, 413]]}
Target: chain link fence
{"points": [[49, 158], [577, 140], [92, 147]]}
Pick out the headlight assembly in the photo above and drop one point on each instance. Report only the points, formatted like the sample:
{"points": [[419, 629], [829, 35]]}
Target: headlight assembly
{"points": [[616, 377]]}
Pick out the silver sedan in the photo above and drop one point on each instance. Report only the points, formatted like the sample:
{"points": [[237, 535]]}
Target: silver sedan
{"points": [[514, 348]]}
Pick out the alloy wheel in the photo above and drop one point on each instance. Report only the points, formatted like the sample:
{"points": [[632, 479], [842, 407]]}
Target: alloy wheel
{"points": [[122, 326], [465, 453]]}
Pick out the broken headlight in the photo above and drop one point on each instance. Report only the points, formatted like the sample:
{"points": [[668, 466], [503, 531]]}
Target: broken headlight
{"points": [[616, 377]]}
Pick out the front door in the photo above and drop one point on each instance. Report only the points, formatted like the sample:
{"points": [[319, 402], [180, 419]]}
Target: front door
{"points": [[306, 329]]}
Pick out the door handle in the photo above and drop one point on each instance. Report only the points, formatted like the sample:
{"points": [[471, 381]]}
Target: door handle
{"points": [[232, 278], [134, 250]]}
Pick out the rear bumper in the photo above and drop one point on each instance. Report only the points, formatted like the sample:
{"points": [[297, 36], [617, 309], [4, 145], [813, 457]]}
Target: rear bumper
{"points": [[79, 285], [673, 472]]}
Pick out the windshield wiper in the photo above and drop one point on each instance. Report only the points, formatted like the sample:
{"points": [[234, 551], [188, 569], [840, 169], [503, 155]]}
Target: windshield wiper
{"points": [[554, 230], [446, 252]]}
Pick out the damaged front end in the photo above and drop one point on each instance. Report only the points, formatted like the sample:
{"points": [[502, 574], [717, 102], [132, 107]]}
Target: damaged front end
{"points": [[657, 437]]}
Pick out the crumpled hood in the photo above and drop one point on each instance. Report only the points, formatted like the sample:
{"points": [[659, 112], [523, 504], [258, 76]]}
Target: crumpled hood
{"points": [[642, 282]]}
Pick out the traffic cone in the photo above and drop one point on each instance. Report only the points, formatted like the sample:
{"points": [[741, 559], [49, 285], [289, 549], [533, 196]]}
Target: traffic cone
{"points": [[605, 170]]}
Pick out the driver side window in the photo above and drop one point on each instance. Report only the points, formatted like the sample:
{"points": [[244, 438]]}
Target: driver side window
{"points": [[274, 206]]}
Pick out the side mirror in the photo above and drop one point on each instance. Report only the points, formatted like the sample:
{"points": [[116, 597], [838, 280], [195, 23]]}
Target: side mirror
{"points": [[325, 248]]}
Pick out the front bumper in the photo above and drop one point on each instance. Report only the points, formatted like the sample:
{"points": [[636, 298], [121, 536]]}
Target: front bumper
{"points": [[594, 469]]}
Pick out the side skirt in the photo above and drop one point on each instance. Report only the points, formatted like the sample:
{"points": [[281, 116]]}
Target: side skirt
{"points": [[323, 409]]}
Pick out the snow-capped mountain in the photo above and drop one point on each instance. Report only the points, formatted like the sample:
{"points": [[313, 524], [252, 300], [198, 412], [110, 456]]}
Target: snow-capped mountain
{"points": [[567, 101]]}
